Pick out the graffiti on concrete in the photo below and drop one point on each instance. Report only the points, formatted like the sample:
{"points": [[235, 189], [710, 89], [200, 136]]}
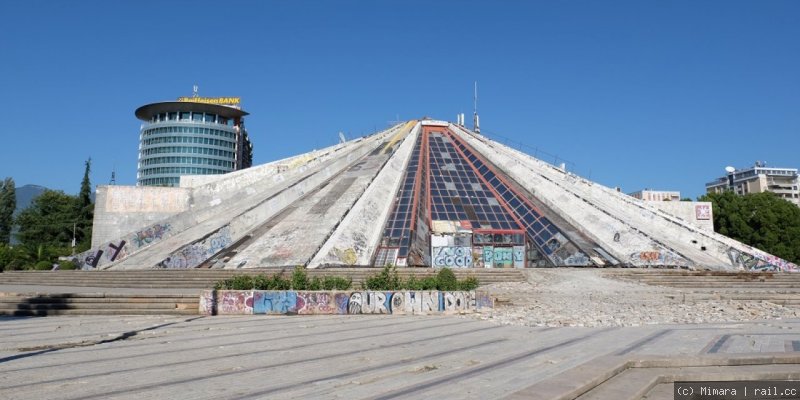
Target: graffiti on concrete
{"points": [[111, 251], [577, 259], [349, 256], [519, 256], [702, 211], [354, 303], [488, 256], [503, 257], [657, 258], [196, 253], [324, 302], [116, 251], [235, 302], [315, 303], [369, 303], [340, 301], [208, 301], [477, 257], [451, 256], [89, 259], [483, 300], [758, 261], [151, 234], [275, 302], [415, 302], [450, 302]]}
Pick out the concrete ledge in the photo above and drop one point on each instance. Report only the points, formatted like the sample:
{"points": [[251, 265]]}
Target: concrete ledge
{"points": [[291, 302]]}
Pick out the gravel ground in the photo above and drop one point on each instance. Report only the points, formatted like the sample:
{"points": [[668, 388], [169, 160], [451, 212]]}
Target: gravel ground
{"points": [[583, 297]]}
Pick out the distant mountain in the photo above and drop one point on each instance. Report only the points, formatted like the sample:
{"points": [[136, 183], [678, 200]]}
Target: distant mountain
{"points": [[26, 194]]}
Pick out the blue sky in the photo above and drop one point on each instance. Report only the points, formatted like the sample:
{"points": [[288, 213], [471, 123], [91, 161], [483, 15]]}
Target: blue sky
{"points": [[638, 94]]}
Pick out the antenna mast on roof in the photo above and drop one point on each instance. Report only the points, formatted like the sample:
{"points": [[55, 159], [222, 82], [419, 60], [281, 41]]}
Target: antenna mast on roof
{"points": [[476, 120], [113, 176], [194, 91]]}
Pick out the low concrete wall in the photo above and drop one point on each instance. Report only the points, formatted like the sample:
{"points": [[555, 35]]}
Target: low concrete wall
{"points": [[290, 302]]}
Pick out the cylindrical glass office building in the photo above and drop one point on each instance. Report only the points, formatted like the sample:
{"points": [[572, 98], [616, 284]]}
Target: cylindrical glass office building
{"points": [[191, 136]]}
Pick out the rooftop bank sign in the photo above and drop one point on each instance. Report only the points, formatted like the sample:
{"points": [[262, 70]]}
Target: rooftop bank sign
{"points": [[227, 101]]}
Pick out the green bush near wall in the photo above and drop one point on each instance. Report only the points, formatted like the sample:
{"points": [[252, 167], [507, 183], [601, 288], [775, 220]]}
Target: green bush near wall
{"points": [[298, 281], [444, 280], [386, 279]]}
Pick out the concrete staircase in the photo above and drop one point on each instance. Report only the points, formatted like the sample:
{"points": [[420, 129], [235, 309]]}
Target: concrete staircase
{"points": [[49, 304], [205, 279], [774, 287], [101, 292]]}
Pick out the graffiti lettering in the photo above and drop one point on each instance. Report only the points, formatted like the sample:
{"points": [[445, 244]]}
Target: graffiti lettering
{"points": [[369, 303], [657, 258], [291, 302], [758, 261], [452, 256], [235, 302], [150, 235], [453, 301], [315, 303], [196, 253], [274, 302]]}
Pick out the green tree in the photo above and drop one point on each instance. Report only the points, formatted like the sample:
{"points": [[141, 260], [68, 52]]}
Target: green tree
{"points": [[48, 221], [84, 210], [761, 220], [8, 203]]}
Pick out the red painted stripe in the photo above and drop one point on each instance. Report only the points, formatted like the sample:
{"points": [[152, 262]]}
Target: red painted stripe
{"points": [[428, 178], [482, 230]]}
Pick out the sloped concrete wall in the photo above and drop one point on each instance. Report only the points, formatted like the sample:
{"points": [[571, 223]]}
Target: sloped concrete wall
{"points": [[229, 222], [628, 222], [358, 235], [616, 236], [119, 210], [225, 198]]}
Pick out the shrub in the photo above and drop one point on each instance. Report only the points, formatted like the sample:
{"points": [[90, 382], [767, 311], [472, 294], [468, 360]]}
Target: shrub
{"points": [[67, 265], [429, 283], [43, 266], [412, 283], [315, 283], [337, 283], [15, 265], [262, 282], [280, 283], [238, 282], [469, 283], [387, 279], [446, 280], [299, 279]]}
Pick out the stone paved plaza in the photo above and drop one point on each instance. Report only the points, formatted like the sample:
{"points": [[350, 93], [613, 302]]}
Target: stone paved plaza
{"points": [[374, 357]]}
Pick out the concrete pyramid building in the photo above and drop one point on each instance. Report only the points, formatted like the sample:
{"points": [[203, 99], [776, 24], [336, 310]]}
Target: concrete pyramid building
{"points": [[420, 194]]}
